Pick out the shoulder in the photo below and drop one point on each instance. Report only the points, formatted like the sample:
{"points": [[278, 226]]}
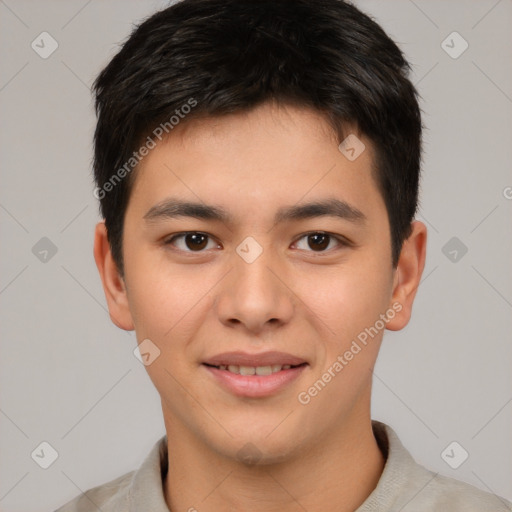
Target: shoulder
{"points": [[141, 489], [407, 486], [107, 497], [445, 493]]}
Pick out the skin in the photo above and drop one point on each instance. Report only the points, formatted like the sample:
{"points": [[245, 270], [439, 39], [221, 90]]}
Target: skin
{"points": [[293, 298]]}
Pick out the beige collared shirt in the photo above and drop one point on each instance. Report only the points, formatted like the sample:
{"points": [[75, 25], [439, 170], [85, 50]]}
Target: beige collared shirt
{"points": [[404, 486]]}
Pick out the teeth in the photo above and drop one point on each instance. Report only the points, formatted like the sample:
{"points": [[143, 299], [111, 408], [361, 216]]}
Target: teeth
{"points": [[247, 370], [254, 370], [263, 370]]}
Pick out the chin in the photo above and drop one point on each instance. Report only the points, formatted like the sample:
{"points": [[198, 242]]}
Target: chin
{"points": [[253, 453], [259, 444]]}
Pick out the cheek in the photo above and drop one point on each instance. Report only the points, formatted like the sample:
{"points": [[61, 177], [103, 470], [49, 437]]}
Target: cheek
{"points": [[348, 299], [166, 308], [169, 305]]}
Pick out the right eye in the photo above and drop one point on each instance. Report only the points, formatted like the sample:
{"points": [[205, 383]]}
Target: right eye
{"points": [[190, 241]]}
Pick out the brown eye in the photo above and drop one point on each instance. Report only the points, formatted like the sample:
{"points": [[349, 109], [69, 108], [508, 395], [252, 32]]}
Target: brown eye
{"points": [[190, 242], [196, 241], [319, 242]]}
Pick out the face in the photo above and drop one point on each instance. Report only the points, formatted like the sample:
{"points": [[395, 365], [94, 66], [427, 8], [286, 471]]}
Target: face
{"points": [[268, 299]]}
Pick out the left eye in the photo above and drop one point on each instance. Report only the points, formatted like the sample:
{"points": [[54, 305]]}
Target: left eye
{"points": [[319, 241], [193, 241]]}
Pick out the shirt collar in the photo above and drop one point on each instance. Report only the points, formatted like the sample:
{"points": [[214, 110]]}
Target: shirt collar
{"points": [[399, 470], [146, 489]]}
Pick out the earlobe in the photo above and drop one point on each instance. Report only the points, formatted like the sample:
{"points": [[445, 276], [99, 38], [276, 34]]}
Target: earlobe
{"points": [[408, 275], [113, 284]]}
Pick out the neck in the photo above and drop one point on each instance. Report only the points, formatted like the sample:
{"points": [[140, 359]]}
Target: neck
{"points": [[336, 474]]}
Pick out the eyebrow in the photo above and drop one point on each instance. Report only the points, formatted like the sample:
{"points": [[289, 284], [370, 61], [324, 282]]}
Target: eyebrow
{"points": [[172, 208]]}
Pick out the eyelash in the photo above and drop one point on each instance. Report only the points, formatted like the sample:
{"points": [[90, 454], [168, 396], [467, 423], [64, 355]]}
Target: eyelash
{"points": [[341, 241]]}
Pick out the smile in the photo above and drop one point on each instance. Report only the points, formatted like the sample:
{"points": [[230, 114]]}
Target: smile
{"points": [[254, 376], [254, 370]]}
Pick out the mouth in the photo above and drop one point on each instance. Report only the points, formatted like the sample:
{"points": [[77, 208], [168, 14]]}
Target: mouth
{"points": [[255, 370], [254, 375]]}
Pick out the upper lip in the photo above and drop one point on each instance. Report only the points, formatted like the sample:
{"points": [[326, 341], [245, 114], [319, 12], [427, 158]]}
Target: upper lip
{"points": [[247, 359]]}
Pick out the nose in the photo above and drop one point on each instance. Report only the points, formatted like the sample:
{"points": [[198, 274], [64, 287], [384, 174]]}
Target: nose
{"points": [[255, 295]]}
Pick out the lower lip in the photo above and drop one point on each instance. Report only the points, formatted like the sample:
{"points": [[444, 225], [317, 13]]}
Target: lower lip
{"points": [[255, 386]]}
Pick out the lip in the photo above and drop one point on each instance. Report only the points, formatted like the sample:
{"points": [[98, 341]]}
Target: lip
{"points": [[255, 386], [261, 359]]}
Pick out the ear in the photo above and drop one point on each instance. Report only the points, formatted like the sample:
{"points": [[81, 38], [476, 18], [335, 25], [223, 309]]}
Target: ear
{"points": [[408, 275], [113, 284]]}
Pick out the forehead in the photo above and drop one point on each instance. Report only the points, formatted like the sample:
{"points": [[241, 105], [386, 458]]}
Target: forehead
{"points": [[257, 160]]}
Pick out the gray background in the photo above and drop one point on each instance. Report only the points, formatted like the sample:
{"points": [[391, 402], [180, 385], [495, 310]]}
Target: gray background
{"points": [[69, 376]]}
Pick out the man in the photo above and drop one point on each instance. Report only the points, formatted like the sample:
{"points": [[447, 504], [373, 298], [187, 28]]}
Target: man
{"points": [[257, 164]]}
